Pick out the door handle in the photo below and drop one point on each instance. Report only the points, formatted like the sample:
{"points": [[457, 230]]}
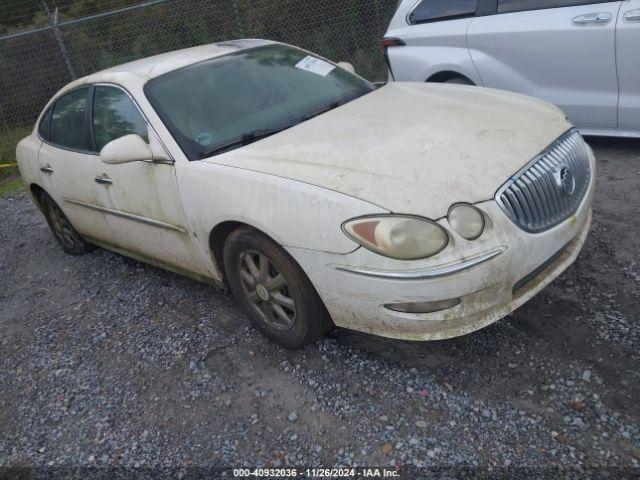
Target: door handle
{"points": [[104, 180], [632, 16], [46, 169], [593, 19]]}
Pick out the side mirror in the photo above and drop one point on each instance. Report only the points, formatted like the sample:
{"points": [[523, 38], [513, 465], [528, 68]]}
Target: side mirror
{"points": [[347, 66], [127, 149]]}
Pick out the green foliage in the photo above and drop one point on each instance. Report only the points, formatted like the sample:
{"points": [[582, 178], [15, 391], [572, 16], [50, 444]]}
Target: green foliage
{"points": [[33, 68], [13, 20], [8, 142], [10, 185]]}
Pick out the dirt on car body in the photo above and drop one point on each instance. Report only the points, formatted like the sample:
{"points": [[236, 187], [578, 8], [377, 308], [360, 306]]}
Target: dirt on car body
{"points": [[109, 362]]}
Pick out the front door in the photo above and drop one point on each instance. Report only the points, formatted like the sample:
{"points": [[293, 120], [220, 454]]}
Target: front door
{"points": [[140, 199], [628, 43], [562, 51]]}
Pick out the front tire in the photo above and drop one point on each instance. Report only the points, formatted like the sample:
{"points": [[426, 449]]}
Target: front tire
{"points": [[273, 290], [70, 240]]}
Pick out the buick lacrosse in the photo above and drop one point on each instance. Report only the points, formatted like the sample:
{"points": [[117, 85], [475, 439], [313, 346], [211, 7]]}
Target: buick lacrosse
{"points": [[413, 211]]}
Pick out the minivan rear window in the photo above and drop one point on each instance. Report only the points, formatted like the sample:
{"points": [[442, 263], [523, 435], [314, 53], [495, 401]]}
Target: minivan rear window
{"points": [[433, 10]]}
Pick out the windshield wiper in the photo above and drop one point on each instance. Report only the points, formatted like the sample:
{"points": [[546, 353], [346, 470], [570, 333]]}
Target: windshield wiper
{"points": [[333, 106], [244, 139], [247, 138]]}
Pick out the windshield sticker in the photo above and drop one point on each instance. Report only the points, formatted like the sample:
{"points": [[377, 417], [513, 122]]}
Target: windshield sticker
{"points": [[315, 65], [205, 139]]}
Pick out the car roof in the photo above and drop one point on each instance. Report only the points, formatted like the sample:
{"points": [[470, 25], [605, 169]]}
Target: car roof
{"points": [[157, 65]]}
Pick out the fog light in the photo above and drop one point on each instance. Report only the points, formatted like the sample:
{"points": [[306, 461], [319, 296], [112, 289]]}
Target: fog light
{"points": [[423, 307], [467, 220]]}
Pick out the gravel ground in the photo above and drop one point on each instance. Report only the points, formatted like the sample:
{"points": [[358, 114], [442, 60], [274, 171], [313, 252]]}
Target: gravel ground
{"points": [[108, 362]]}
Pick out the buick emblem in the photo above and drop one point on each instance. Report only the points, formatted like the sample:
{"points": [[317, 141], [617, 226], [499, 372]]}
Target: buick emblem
{"points": [[567, 181]]}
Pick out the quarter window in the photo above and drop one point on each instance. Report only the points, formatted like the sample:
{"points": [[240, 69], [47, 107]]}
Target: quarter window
{"points": [[43, 129], [431, 10], [114, 116], [68, 126], [510, 6]]}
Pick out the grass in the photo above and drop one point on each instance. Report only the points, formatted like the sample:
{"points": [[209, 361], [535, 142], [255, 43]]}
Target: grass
{"points": [[10, 170], [9, 174], [10, 185], [8, 141]]}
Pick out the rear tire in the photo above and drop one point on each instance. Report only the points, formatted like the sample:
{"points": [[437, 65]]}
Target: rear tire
{"points": [[70, 240], [273, 290]]}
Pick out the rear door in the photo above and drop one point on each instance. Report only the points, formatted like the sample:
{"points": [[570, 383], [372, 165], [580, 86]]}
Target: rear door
{"points": [[628, 55], [562, 51], [67, 164]]}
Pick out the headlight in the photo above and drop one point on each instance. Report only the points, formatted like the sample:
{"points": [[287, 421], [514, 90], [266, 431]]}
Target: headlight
{"points": [[398, 236], [467, 220]]}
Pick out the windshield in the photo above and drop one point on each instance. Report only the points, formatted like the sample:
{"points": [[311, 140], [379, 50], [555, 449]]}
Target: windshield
{"points": [[229, 101]]}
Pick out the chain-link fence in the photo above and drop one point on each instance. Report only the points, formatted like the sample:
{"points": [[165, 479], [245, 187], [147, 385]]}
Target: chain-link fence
{"points": [[46, 43]]}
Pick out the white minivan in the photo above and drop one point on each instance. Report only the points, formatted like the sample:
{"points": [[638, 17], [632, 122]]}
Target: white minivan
{"points": [[581, 55]]}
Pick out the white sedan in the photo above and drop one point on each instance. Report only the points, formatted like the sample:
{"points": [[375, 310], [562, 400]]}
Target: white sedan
{"points": [[413, 211]]}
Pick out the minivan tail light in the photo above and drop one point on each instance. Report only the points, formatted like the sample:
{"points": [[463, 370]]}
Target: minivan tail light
{"points": [[387, 43]]}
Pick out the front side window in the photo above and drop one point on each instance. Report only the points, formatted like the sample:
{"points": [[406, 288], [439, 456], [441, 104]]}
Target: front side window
{"points": [[431, 10], [68, 125], [509, 6], [114, 116], [232, 100]]}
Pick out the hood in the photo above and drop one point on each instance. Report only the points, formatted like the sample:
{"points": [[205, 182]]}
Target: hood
{"points": [[410, 147]]}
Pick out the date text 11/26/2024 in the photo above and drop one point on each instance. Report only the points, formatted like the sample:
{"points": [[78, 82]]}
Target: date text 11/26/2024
{"points": [[316, 473]]}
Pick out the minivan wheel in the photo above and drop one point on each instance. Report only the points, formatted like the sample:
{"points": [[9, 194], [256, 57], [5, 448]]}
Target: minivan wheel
{"points": [[273, 290], [67, 237]]}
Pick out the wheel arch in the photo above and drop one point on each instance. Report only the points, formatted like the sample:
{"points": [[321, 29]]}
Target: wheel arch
{"points": [[446, 75], [219, 235], [36, 192]]}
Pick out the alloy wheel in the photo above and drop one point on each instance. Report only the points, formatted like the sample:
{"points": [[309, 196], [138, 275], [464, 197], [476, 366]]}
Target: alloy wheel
{"points": [[267, 290]]}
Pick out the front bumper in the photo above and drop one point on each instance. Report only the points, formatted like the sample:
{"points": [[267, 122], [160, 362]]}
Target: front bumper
{"points": [[355, 293]]}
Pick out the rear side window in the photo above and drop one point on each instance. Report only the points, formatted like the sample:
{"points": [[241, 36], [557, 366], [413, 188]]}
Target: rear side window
{"points": [[43, 128], [510, 6], [114, 116], [432, 10], [68, 125]]}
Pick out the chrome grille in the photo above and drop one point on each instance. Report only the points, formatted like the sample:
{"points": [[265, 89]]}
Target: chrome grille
{"points": [[550, 188]]}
